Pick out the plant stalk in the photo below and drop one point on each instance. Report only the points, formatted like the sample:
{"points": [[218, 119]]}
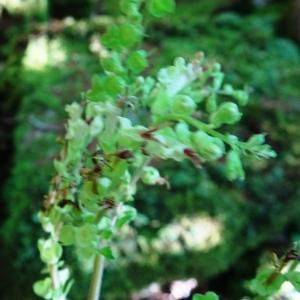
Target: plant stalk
{"points": [[97, 276]]}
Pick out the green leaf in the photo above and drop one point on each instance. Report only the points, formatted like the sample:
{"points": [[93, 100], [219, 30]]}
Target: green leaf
{"points": [[111, 39], [107, 252], [50, 251], [114, 85], [257, 139], [207, 296], [106, 234], [97, 92], [128, 214], [257, 147], [86, 235], [264, 285], [87, 196], [130, 7], [86, 252], [129, 35], [137, 61], [294, 278], [67, 235], [105, 223], [113, 64], [43, 288], [160, 8], [122, 36]]}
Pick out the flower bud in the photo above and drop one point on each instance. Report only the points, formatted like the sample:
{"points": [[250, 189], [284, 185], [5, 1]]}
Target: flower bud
{"points": [[228, 113], [183, 104], [241, 96], [208, 147], [234, 169], [183, 133], [256, 139], [211, 103]]}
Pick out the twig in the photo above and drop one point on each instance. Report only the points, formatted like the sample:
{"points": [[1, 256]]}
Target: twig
{"points": [[96, 283]]}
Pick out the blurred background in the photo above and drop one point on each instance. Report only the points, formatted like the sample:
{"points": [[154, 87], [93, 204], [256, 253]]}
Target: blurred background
{"points": [[204, 234]]}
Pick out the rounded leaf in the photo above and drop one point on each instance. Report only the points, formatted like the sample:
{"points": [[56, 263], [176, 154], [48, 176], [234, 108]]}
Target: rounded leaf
{"points": [[137, 61], [86, 235], [160, 8], [129, 35], [112, 64], [50, 251], [43, 288], [130, 7], [207, 296], [67, 235], [115, 85]]}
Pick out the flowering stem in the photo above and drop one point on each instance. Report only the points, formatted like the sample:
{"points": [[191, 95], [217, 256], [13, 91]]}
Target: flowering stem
{"points": [[96, 282]]}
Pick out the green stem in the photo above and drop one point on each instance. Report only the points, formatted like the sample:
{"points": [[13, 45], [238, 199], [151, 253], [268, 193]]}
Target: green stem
{"points": [[96, 282], [208, 129], [205, 127]]}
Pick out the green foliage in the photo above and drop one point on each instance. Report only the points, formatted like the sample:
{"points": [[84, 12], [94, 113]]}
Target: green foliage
{"points": [[137, 61], [294, 278], [262, 286], [207, 296], [255, 212], [103, 141], [159, 8]]}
